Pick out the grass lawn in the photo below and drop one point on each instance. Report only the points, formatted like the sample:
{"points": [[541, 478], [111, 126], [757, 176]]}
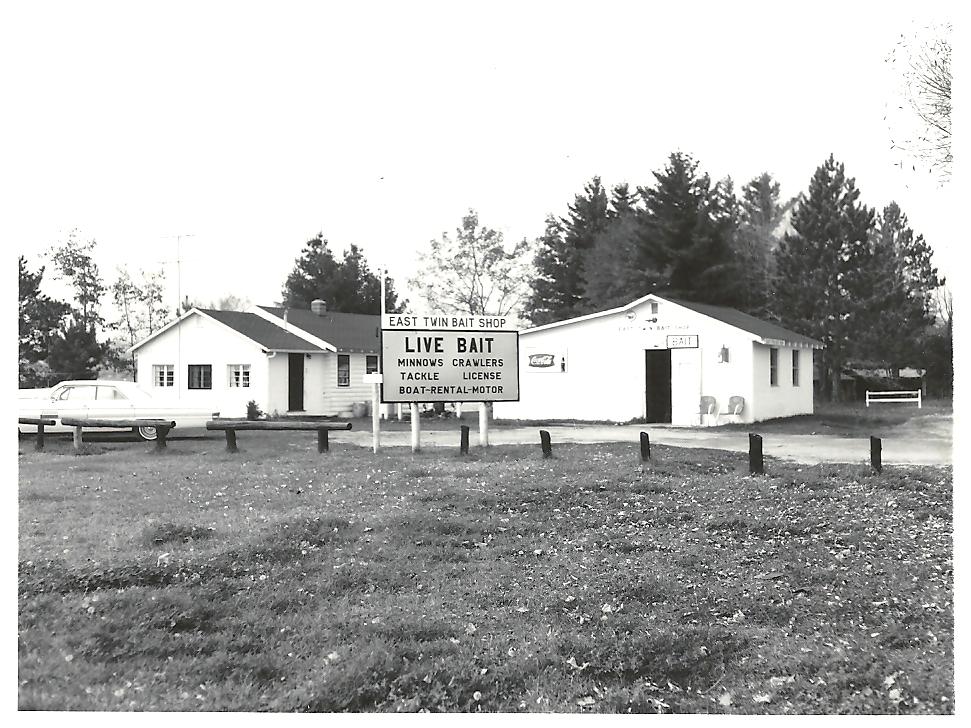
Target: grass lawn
{"points": [[283, 580], [851, 419]]}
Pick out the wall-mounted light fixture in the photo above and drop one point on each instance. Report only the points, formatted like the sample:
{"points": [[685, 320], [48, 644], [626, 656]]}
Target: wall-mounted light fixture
{"points": [[723, 355]]}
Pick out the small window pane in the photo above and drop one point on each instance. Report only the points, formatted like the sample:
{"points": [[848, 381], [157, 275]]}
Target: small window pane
{"points": [[239, 375], [343, 370], [163, 375], [200, 376], [795, 368], [773, 367], [371, 364]]}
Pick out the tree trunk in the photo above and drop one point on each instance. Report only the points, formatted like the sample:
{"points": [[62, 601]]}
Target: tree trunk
{"points": [[835, 395]]}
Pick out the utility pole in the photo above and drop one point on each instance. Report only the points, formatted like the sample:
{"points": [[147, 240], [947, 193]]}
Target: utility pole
{"points": [[178, 302]]}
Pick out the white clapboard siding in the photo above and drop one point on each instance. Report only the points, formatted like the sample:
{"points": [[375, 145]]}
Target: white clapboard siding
{"points": [[338, 399]]}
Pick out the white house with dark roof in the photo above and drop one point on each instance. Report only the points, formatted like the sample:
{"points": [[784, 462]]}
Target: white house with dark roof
{"points": [[663, 360], [287, 361]]}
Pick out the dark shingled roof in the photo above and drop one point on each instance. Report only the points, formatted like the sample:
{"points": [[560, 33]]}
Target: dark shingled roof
{"points": [[263, 332], [743, 321], [351, 332]]}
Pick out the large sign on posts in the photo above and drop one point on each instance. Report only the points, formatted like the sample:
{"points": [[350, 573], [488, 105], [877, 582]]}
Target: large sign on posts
{"points": [[449, 358]]}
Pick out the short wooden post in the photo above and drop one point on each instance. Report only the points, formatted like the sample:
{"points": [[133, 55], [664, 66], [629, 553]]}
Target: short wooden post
{"points": [[39, 445], [756, 464], [544, 441], [876, 454], [323, 440], [645, 447], [78, 440], [464, 441], [231, 441], [162, 432]]}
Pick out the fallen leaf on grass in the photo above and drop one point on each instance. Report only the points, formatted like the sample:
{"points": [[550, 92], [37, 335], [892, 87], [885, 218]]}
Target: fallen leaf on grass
{"points": [[572, 662], [586, 700], [895, 695], [779, 681], [762, 698], [725, 700]]}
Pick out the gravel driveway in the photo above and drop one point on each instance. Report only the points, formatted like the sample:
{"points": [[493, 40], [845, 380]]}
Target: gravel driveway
{"points": [[920, 441]]}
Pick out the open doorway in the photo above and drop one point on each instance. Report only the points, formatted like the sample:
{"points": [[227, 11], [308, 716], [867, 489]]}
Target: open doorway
{"points": [[657, 384], [295, 400]]}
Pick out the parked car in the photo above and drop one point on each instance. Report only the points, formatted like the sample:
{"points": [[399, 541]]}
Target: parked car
{"points": [[107, 399]]}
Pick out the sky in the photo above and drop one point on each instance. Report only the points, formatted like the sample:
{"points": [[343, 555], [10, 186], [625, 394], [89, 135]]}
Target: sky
{"points": [[228, 134]]}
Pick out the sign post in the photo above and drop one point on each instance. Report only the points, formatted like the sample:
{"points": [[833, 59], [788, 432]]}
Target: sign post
{"points": [[375, 379], [415, 428], [449, 358], [483, 424]]}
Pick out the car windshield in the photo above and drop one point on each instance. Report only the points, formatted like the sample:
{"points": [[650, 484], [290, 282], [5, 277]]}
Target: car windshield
{"points": [[78, 393]]}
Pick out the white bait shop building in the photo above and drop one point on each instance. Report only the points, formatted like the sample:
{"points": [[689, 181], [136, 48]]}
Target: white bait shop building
{"points": [[663, 360]]}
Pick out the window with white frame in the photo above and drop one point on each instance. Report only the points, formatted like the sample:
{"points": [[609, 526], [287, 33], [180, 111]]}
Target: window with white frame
{"points": [[163, 375], [343, 370], [200, 376], [795, 367], [239, 375], [774, 367], [371, 364]]}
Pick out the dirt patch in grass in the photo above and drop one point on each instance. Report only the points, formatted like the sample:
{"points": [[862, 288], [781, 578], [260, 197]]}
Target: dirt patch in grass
{"points": [[163, 533]]}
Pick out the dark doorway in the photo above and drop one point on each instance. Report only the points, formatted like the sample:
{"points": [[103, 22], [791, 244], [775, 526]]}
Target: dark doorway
{"points": [[296, 383], [657, 380]]}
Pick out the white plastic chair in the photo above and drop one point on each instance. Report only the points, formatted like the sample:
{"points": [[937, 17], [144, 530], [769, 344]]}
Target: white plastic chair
{"points": [[735, 406], [709, 408]]}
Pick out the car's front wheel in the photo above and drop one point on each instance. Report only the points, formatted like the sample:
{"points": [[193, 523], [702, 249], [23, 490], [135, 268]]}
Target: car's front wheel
{"points": [[146, 433]]}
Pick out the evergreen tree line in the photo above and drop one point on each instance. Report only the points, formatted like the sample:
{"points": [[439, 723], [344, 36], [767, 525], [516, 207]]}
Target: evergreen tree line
{"points": [[823, 263]]}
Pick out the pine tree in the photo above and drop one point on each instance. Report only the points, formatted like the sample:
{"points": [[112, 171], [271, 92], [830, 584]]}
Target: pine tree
{"points": [[547, 299], [40, 319], [557, 290], [821, 266], [686, 231], [895, 307], [347, 285], [615, 272], [760, 218], [76, 353]]}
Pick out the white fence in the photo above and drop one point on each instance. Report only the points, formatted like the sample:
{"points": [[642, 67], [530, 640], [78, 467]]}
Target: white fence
{"points": [[908, 396]]}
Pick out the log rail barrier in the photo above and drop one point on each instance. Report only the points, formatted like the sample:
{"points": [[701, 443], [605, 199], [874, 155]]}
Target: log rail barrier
{"points": [[41, 423], [321, 428], [162, 428]]}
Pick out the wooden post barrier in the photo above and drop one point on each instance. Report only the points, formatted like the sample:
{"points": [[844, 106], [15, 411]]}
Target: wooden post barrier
{"points": [[464, 441], [645, 447], [544, 441], [41, 423], [160, 441], [321, 428], [876, 454], [756, 463], [162, 428]]}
